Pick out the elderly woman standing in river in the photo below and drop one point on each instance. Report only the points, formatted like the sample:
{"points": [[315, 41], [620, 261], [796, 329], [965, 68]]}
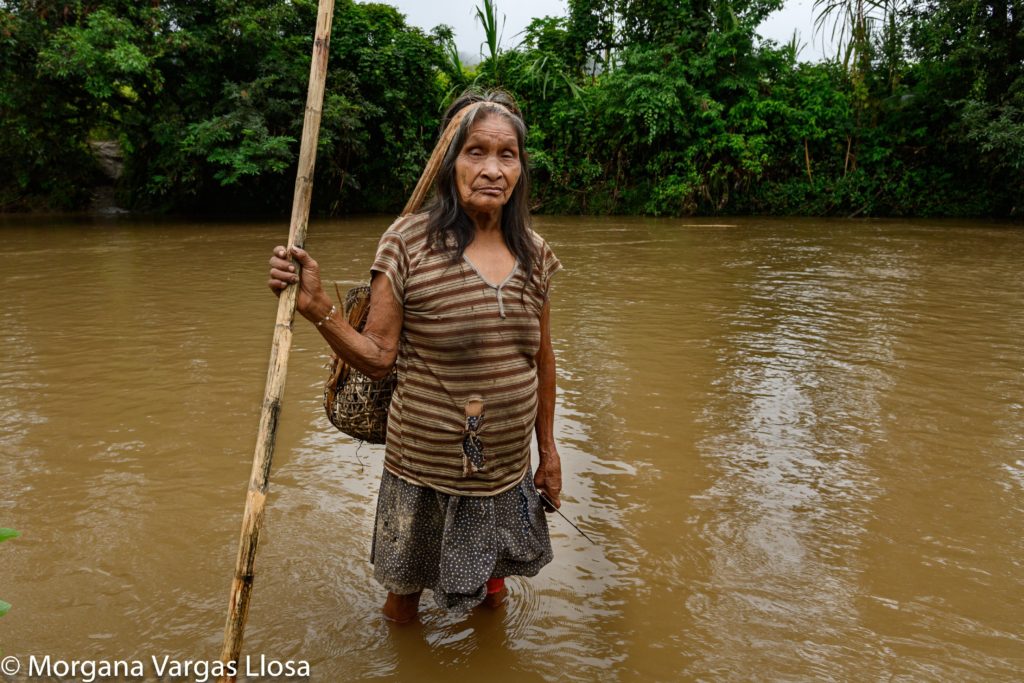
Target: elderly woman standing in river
{"points": [[459, 300]]}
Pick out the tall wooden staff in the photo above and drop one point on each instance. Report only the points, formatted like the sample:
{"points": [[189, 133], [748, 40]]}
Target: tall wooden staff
{"points": [[259, 480]]}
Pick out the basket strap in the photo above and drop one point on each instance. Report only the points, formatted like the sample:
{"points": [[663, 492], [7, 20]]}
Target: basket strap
{"points": [[436, 157]]}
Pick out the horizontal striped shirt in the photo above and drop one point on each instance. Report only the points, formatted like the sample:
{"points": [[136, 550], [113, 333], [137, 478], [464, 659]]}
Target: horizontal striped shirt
{"points": [[463, 338]]}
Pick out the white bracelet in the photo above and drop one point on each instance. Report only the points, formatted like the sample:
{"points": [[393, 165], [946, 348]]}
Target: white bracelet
{"points": [[330, 313]]}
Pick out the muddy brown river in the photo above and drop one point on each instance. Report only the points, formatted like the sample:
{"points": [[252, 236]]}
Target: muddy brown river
{"points": [[799, 445]]}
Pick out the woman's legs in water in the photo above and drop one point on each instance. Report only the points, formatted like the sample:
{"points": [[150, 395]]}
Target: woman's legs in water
{"points": [[401, 609], [496, 592]]}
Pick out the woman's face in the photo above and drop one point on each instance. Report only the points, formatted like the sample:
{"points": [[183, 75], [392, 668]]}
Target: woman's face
{"points": [[488, 166]]}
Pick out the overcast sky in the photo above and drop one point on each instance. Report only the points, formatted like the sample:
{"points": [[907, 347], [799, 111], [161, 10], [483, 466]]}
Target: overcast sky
{"points": [[459, 14]]}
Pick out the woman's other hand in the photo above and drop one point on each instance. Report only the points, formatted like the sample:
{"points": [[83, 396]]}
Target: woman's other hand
{"points": [[312, 303], [548, 477]]}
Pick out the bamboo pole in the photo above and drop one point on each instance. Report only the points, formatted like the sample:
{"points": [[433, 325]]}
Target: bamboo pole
{"points": [[259, 479]]}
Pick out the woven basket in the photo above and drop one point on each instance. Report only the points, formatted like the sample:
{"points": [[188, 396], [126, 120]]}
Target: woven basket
{"points": [[356, 404]]}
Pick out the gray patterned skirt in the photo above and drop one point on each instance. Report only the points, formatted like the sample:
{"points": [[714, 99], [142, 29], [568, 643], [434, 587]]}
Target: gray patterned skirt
{"points": [[452, 545]]}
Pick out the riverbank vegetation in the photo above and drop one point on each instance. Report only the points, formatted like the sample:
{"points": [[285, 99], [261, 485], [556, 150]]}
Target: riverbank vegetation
{"points": [[662, 107]]}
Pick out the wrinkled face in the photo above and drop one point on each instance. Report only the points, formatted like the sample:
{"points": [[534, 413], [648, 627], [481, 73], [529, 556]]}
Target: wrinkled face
{"points": [[488, 166]]}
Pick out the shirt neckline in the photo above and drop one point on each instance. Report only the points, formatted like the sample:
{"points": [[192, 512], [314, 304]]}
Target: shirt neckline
{"points": [[487, 282]]}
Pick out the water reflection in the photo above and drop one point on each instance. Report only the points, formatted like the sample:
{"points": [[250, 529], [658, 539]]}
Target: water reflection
{"points": [[815, 355], [804, 361]]}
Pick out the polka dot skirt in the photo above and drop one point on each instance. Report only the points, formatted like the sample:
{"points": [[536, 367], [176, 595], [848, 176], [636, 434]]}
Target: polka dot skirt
{"points": [[452, 545]]}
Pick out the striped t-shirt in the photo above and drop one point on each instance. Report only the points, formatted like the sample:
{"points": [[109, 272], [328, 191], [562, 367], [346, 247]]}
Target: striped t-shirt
{"points": [[463, 338]]}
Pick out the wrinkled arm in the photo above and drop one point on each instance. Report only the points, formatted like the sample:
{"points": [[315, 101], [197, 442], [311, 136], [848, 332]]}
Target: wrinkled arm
{"points": [[374, 350], [549, 470]]}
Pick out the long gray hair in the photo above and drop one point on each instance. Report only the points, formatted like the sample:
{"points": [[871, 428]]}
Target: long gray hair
{"points": [[449, 223]]}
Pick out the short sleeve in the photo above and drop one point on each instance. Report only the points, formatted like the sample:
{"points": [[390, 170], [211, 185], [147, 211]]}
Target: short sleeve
{"points": [[549, 266], [392, 260]]}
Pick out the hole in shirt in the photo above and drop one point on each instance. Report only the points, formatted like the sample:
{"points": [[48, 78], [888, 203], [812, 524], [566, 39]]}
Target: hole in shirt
{"points": [[472, 446]]}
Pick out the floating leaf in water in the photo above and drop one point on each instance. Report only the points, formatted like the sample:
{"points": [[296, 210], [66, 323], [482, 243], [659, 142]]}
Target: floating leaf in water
{"points": [[5, 607]]}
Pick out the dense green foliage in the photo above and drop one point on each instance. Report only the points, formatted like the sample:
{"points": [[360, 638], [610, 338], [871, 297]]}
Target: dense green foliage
{"points": [[662, 107], [6, 534], [682, 109], [207, 100]]}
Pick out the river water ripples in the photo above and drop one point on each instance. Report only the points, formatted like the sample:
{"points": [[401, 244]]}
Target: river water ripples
{"points": [[799, 445]]}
